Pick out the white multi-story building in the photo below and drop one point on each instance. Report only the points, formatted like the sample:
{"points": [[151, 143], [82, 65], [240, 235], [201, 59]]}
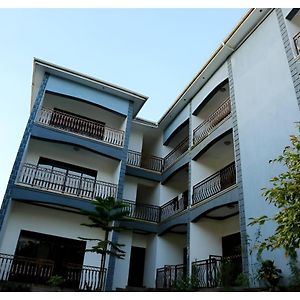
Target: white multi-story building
{"points": [[192, 180]]}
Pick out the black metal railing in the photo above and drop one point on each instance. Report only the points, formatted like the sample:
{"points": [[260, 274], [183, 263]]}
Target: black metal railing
{"points": [[150, 162], [214, 184], [296, 39], [81, 126], [206, 127], [39, 271], [42, 178], [174, 206], [216, 271], [146, 212], [179, 150], [167, 276]]}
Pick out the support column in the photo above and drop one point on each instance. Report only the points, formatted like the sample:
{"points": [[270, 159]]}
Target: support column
{"points": [[239, 182], [112, 259], [20, 154], [289, 53]]}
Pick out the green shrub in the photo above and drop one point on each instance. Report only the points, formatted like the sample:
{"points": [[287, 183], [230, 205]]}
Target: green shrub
{"points": [[269, 274], [10, 286]]}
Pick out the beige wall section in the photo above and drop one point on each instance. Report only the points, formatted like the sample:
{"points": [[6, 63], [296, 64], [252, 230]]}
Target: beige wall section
{"points": [[108, 169], [110, 119], [206, 236], [48, 221]]}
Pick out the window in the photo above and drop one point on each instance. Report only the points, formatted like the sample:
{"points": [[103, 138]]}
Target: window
{"points": [[63, 177]]}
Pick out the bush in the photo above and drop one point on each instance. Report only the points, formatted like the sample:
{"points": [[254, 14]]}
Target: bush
{"points": [[269, 274], [10, 286]]}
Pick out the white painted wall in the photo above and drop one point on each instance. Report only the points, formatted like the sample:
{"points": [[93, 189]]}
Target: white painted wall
{"points": [[141, 190], [135, 139], [110, 119], [220, 75], [206, 236], [170, 249], [175, 140], [175, 186], [211, 106], [150, 258], [130, 188], [108, 169], [266, 108], [48, 221], [121, 273], [216, 158]]}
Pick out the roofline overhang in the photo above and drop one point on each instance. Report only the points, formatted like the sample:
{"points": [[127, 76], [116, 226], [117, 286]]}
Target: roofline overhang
{"points": [[41, 66], [236, 37]]}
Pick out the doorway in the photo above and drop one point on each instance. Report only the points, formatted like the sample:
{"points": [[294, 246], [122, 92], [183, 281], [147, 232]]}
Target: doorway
{"points": [[136, 267]]}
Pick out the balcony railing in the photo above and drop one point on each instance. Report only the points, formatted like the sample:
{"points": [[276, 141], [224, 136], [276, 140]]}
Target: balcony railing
{"points": [[297, 43], [81, 126], [48, 179], [150, 162], [173, 207], [206, 127], [214, 184], [167, 276], [39, 271], [146, 212], [180, 149], [210, 273]]}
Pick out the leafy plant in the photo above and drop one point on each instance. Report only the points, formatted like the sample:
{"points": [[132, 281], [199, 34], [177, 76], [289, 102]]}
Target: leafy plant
{"points": [[242, 280], [295, 272], [284, 194], [56, 281], [106, 215], [187, 283], [269, 274], [227, 274]]}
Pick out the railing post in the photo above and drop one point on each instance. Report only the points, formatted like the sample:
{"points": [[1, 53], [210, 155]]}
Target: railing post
{"points": [[207, 274]]}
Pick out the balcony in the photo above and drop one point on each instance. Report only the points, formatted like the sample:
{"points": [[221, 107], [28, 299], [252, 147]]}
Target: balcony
{"points": [[297, 48], [174, 206], [208, 273], [145, 212], [296, 39], [152, 163], [42, 178], [167, 276], [174, 155], [39, 271], [214, 184], [81, 126], [206, 127]]}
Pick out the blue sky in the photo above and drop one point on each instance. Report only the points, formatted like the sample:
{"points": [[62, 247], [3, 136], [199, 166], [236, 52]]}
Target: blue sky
{"points": [[155, 52]]}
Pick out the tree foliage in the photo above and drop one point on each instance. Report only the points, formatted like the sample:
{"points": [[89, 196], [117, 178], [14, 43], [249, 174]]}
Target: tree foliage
{"points": [[106, 215], [285, 195]]}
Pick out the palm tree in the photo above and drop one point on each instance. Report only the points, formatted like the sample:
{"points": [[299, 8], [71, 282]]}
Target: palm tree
{"points": [[106, 215]]}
